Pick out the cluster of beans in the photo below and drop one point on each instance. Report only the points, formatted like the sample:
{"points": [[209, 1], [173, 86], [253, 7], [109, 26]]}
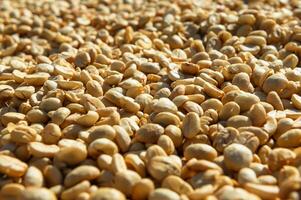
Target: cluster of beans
{"points": [[150, 100]]}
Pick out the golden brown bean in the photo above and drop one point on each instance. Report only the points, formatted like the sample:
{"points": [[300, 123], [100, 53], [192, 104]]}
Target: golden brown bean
{"points": [[52, 175], [102, 145], [94, 88], [246, 175], [166, 118], [191, 125], [60, 115], [263, 191], [12, 166], [229, 109], [290, 138], [73, 192], [102, 131], [280, 157], [142, 189], [290, 61], [33, 177], [246, 100], [149, 133], [11, 117], [275, 82], [125, 181], [238, 121], [162, 166], [107, 194], [36, 79], [237, 156], [36, 116], [41, 150], [82, 59], [88, 119], [177, 185], [50, 104], [163, 193], [175, 134], [23, 134], [118, 163], [12, 191], [135, 162], [122, 138], [51, 133], [200, 151], [274, 99], [296, 100], [257, 114], [71, 151], [35, 193]]}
